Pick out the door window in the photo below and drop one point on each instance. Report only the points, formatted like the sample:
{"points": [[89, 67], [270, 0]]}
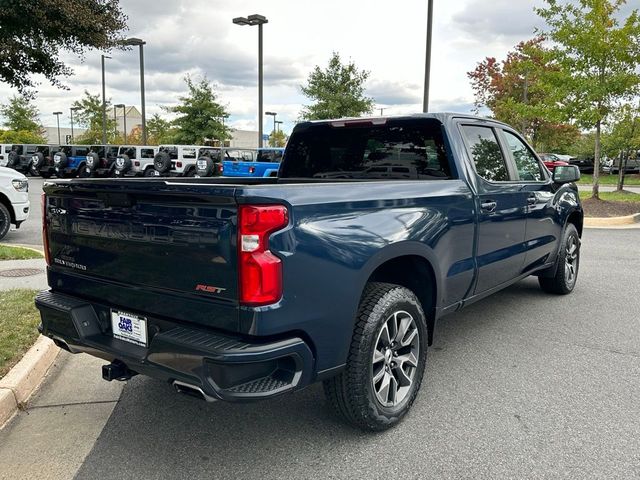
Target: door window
{"points": [[486, 153], [146, 153], [527, 164]]}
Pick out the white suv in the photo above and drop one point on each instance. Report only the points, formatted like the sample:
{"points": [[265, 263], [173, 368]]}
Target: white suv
{"points": [[177, 160], [14, 199], [135, 160]]}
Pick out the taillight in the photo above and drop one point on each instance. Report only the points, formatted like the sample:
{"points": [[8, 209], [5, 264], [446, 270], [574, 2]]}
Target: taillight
{"points": [[179, 164], [260, 271], [136, 163], [220, 168], [45, 236], [252, 169]]}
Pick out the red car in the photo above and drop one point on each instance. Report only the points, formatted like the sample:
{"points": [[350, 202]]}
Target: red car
{"points": [[551, 161]]}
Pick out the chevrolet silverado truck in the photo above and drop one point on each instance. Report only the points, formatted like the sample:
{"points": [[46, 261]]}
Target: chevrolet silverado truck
{"points": [[336, 271]]}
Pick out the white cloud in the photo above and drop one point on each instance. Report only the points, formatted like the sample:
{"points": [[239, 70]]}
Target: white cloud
{"points": [[388, 39]]}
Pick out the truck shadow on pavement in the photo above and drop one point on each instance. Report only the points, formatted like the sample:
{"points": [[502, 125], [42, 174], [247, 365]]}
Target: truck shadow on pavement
{"points": [[155, 433]]}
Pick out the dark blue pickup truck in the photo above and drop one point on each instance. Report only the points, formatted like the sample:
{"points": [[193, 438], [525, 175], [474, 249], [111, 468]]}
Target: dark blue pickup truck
{"points": [[335, 271]]}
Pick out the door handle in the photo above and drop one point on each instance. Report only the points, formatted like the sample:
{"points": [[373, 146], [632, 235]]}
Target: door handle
{"points": [[488, 205]]}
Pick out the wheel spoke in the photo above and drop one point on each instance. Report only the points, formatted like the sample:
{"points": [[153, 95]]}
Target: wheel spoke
{"points": [[378, 376], [405, 323], [383, 392], [407, 358], [378, 356], [407, 341], [393, 389], [385, 338]]}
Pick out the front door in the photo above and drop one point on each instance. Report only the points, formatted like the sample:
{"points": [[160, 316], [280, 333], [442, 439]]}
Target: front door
{"points": [[500, 250]]}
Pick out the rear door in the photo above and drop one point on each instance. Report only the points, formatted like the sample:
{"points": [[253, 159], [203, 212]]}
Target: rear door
{"points": [[501, 208]]}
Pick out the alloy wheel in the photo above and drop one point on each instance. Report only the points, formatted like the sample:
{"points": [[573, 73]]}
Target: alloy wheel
{"points": [[395, 358]]}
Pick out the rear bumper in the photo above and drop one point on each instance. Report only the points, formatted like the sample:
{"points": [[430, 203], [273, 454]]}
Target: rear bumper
{"points": [[223, 367]]}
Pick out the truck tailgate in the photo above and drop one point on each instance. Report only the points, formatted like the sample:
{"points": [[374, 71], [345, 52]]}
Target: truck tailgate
{"points": [[166, 249]]}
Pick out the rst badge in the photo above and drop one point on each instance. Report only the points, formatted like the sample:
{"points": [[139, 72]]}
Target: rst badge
{"points": [[209, 289]]}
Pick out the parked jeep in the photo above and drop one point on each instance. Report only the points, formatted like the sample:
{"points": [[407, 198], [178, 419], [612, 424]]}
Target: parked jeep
{"points": [[263, 163], [70, 160], [176, 160], [5, 149], [42, 160], [135, 160], [101, 161]]}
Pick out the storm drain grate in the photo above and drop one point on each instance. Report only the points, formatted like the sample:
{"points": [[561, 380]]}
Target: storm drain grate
{"points": [[21, 272]]}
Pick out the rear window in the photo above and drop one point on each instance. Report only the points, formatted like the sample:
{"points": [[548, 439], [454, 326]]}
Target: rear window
{"points": [[271, 156], [399, 149]]}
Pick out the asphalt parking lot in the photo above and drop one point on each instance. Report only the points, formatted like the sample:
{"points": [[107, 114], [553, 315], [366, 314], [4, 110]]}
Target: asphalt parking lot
{"points": [[520, 385]]}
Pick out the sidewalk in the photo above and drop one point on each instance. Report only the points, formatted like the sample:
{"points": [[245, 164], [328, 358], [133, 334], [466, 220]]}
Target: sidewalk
{"points": [[609, 188], [52, 436], [36, 268]]}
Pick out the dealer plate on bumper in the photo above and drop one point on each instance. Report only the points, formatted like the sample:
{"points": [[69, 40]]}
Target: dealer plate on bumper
{"points": [[128, 327]]}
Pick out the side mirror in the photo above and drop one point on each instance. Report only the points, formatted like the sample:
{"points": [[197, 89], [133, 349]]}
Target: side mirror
{"points": [[566, 174]]}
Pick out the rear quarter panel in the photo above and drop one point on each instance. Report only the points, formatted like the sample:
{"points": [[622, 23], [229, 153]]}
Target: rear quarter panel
{"points": [[339, 233]]}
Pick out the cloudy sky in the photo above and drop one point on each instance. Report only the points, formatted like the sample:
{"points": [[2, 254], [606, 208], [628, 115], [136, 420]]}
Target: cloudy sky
{"points": [[386, 38]]}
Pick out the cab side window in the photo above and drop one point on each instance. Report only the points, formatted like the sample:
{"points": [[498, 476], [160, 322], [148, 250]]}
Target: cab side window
{"points": [[486, 153], [529, 169]]}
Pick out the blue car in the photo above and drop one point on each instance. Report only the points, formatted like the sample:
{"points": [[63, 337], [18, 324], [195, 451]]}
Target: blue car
{"points": [[266, 164]]}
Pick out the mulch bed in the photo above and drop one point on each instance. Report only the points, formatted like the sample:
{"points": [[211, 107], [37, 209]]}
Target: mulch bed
{"points": [[601, 208]]}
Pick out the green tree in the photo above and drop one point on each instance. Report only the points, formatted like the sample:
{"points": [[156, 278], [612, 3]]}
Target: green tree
{"points": [[622, 141], [277, 138], [200, 115], [21, 136], [159, 130], [34, 35], [597, 60], [89, 116], [516, 93], [19, 113], [338, 91]]}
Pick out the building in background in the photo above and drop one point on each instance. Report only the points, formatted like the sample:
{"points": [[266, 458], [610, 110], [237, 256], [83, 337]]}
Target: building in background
{"points": [[51, 134], [134, 118], [239, 138]]}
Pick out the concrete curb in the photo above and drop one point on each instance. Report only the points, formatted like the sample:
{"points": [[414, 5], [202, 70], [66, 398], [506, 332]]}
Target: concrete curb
{"points": [[22, 380], [611, 221]]}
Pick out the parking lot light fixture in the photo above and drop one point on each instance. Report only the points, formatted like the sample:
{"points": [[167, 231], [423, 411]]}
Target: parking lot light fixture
{"points": [[258, 20], [104, 105], [71, 110], [274, 115], [278, 123], [124, 116], [132, 42], [57, 114]]}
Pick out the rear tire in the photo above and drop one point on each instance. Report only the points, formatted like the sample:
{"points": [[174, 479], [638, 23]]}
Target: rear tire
{"points": [[384, 370], [566, 269]]}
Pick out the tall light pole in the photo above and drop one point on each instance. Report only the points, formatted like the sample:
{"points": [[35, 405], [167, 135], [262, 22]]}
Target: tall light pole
{"points": [[133, 42], [57, 114], [258, 20], [278, 123], [124, 116], [104, 105], [274, 115], [72, 109], [427, 64]]}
